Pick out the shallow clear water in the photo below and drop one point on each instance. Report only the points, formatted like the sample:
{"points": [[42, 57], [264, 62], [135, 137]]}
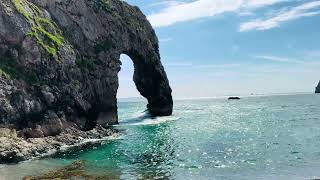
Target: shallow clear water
{"points": [[275, 137]]}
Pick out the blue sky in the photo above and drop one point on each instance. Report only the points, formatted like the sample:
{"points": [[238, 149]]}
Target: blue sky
{"points": [[233, 47]]}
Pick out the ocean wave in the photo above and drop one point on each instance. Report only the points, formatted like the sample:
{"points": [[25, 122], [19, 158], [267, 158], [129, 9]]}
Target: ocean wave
{"points": [[146, 119]]}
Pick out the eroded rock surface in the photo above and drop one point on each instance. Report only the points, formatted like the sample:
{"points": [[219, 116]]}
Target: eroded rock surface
{"points": [[59, 64], [318, 88]]}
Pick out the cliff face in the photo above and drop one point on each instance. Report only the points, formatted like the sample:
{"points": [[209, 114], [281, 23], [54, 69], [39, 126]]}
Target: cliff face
{"points": [[318, 88], [59, 64]]}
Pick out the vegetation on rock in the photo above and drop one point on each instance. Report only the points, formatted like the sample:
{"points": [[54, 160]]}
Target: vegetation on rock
{"points": [[4, 74], [44, 30], [8, 69]]}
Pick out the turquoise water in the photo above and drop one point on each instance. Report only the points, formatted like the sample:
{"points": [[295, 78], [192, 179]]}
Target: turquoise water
{"points": [[275, 137]]}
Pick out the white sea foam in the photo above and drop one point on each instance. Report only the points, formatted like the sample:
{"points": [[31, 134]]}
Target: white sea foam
{"points": [[87, 141], [146, 119]]}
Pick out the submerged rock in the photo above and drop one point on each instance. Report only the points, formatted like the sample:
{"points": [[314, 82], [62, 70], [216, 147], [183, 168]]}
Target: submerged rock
{"points": [[59, 64], [74, 171], [318, 88]]}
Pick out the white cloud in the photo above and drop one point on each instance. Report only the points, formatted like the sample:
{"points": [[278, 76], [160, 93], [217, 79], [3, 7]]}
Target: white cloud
{"points": [[279, 59], [304, 10], [201, 9]]}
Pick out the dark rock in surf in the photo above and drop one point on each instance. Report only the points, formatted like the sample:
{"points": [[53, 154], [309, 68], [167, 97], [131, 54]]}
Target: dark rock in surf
{"points": [[59, 64], [234, 98], [318, 88]]}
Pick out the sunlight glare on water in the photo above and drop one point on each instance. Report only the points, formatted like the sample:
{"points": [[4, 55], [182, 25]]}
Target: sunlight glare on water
{"points": [[276, 137]]}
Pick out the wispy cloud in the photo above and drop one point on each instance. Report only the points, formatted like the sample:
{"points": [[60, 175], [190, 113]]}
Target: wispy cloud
{"points": [[179, 64], [202, 8], [279, 59], [201, 66], [246, 13], [165, 39], [165, 3], [313, 53], [217, 66], [304, 10]]}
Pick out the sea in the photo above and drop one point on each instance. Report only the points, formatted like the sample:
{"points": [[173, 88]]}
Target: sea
{"points": [[257, 137]]}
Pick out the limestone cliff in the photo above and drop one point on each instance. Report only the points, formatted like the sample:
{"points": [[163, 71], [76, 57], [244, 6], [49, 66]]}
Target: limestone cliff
{"points": [[59, 64], [318, 88]]}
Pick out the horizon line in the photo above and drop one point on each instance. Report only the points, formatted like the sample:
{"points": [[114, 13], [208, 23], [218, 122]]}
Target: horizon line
{"points": [[224, 96]]}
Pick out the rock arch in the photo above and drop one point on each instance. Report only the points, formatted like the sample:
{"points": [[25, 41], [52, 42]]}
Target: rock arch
{"points": [[152, 82]]}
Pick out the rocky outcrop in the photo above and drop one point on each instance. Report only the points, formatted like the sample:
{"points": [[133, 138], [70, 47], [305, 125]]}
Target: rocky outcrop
{"points": [[59, 64], [318, 88], [14, 149], [234, 98]]}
